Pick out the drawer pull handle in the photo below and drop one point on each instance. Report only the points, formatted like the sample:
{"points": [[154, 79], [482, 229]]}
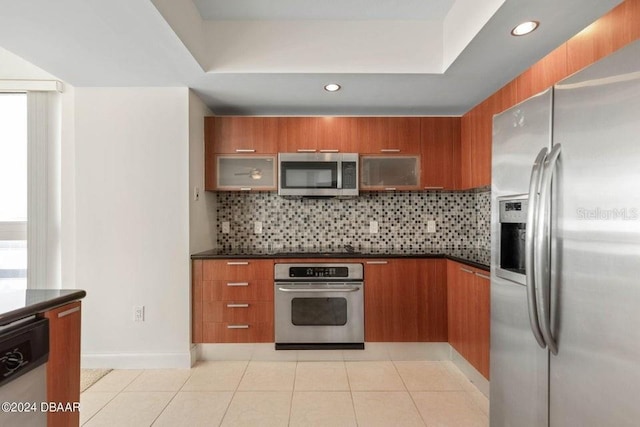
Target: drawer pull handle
{"points": [[237, 305], [390, 150], [245, 188], [238, 263], [466, 271], [484, 276], [245, 150], [390, 189], [238, 284], [237, 326], [306, 150], [434, 188], [68, 312], [377, 262], [332, 150]]}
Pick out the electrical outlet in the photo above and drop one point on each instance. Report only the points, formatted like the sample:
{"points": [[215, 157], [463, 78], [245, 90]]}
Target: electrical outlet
{"points": [[196, 194], [226, 228], [373, 227], [257, 227], [138, 313], [431, 226]]}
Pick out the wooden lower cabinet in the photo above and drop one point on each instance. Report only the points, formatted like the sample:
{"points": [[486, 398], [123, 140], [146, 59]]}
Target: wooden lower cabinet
{"points": [[63, 367], [232, 301], [468, 305], [405, 300]]}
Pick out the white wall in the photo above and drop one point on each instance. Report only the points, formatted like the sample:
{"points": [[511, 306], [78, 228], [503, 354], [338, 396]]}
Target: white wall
{"points": [[132, 225], [202, 213]]}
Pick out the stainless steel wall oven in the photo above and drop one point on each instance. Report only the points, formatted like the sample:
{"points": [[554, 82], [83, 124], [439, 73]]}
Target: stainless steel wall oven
{"points": [[319, 306]]}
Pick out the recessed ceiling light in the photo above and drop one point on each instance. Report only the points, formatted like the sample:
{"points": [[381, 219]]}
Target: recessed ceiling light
{"points": [[332, 87], [524, 28]]}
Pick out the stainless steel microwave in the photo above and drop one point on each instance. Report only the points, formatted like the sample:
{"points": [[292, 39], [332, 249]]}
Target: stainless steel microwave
{"points": [[318, 174]]}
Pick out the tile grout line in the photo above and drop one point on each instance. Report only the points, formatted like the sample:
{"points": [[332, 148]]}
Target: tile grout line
{"points": [[234, 393], [409, 392], [172, 398], [110, 400], [295, 373], [353, 403]]}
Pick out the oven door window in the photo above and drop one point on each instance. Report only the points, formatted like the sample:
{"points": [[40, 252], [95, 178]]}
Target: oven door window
{"points": [[319, 311], [309, 174]]}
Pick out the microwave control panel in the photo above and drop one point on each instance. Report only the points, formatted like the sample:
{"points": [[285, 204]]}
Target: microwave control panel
{"points": [[349, 175]]}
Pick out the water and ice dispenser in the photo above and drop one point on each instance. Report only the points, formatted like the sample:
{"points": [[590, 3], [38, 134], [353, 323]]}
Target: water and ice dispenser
{"points": [[513, 229]]}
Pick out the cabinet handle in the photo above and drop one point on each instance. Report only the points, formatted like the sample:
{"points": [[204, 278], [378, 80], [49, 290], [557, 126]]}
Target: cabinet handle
{"points": [[306, 150], [377, 262], [237, 326], [466, 271], [68, 312], [484, 276], [237, 305], [245, 150], [390, 150], [238, 263], [245, 188], [390, 189], [238, 284], [434, 188], [332, 150]]}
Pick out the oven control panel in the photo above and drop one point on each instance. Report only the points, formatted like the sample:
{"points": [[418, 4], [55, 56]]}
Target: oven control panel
{"points": [[324, 271]]}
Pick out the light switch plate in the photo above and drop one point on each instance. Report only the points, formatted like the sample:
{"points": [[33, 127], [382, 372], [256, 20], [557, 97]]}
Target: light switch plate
{"points": [[431, 226], [373, 227], [257, 227], [138, 313], [196, 194], [226, 228]]}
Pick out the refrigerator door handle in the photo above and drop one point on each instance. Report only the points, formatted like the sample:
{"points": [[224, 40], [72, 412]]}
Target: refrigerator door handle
{"points": [[542, 256], [532, 219]]}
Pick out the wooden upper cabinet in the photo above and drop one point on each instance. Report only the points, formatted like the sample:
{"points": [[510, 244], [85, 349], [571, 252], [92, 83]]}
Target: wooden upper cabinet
{"points": [[388, 135], [440, 140], [542, 75], [337, 134], [476, 143], [299, 134], [229, 134]]}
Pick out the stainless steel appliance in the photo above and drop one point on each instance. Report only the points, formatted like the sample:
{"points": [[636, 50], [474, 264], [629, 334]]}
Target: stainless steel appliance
{"points": [[318, 174], [319, 306], [24, 351], [565, 342]]}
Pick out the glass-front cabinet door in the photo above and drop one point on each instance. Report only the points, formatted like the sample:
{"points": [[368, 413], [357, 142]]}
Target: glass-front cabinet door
{"points": [[389, 173], [245, 173]]}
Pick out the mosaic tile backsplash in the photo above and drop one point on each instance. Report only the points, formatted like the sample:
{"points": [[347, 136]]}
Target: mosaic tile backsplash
{"points": [[462, 219]]}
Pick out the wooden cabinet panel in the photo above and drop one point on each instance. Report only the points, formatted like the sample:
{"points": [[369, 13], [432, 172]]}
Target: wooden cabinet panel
{"points": [[237, 311], [432, 299], [299, 134], [237, 269], [543, 74], [243, 290], [468, 304], [238, 332], [405, 300], [371, 134], [440, 137], [196, 300], [377, 135], [238, 134], [337, 134], [63, 367]]}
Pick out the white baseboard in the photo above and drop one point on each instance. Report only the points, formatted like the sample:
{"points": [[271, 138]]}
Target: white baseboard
{"points": [[137, 360], [470, 372]]}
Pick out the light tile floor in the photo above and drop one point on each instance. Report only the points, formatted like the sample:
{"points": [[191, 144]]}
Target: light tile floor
{"points": [[288, 393]]}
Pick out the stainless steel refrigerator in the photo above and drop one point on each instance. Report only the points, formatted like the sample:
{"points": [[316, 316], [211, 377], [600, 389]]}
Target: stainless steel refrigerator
{"points": [[565, 260]]}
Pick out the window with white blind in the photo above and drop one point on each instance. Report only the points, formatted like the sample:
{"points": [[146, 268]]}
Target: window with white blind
{"points": [[13, 190]]}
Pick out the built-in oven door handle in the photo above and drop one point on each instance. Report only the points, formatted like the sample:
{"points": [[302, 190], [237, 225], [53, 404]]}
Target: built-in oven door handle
{"points": [[530, 266], [543, 243], [318, 290]]}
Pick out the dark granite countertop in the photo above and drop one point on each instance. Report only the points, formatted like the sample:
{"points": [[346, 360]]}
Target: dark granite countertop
{"points": [[479, 258], [18, 304]]}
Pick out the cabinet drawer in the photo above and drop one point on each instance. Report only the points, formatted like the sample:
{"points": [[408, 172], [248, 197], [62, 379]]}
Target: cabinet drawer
{"points": [[238, 311], [237, 332], [237, 270], [227, 290]]}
